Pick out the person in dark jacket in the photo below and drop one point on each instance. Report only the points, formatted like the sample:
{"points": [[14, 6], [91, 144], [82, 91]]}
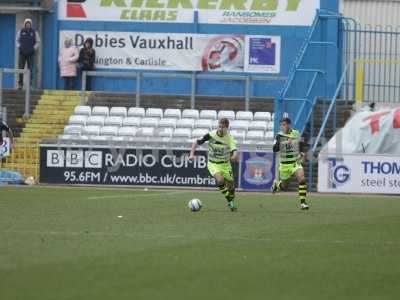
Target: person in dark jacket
{"points": [[27, 42], [87, 56]]}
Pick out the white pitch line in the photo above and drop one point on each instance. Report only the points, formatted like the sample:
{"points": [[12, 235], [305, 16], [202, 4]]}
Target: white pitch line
{"points": [[154, 237], [132, 195]]}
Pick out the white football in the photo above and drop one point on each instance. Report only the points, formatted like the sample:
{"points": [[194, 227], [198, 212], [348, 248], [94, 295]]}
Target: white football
{"points": [[194, 205]]}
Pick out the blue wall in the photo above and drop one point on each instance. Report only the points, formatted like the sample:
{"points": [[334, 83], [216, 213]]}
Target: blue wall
{"points": [[7, 48], [292, 38]]}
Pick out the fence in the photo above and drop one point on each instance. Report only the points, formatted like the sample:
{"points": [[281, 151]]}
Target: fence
{"points": [[193, 77]]}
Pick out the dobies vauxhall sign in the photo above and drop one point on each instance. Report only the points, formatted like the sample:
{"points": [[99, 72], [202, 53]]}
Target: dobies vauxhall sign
{"points": [[254, 12]]}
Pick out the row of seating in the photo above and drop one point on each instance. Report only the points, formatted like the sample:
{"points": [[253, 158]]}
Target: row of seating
{"points": [[83, 132], [172, 113], [245, 125]]}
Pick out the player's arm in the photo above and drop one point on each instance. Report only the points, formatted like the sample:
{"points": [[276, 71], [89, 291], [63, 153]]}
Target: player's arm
{"points": [[302, 149], [233, 149], [201, 141], [277, 142]]}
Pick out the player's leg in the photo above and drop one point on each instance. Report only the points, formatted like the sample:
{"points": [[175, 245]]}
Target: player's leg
{"points": [[301, 179], [283, 182]]}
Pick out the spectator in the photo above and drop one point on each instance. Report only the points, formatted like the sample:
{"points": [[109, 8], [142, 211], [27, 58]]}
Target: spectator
{"points": [[4, 127], [87, 56], [67, 60], [27, 41]]}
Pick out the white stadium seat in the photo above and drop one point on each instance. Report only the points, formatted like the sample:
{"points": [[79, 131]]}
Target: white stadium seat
{"points": [[185, 123], [172, 113], [269, 135], [215, 124], [65, 137], [136, 112], [239, 135], [258, 125], [244, 115], [131, 121], [165, 132], [190, 114], [113, 121], [208, 114], [203, 123], [182, 133], [270, 126], [118, 111], [100, 111], [146, 132], [149, 122], [77, 120], [83, 110], [154, 113], [109, 130], [167, 122], [262, 116], [255, 135], [91, 130], [199, 133], [229, 114], [242, 125], [127, 131], [99, 138], [73, 130], [119, 139], [95, 120]]}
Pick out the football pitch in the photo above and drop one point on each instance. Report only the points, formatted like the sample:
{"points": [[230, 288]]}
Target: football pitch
{"points": [[93, 243]]}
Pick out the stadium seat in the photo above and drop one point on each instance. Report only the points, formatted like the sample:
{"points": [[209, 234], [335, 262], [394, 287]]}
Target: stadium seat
{"points": [[239, 135], [182, 133], [100, 111], [203, 123], [145, 132], [172, 113], [83, 110], [185, 123], [208, 114], [244, 115], [255, 135], [165, 132], [242, 125], [95, 120], [262, 116], [131, 121], [136, 112], [167, 122], [154, 113], [149, 122], [109, 130], [99, 138], [229, 114], [119, 139], [113, 121], [65, 137], [73, 130], [258, 125], [118, 111], [127, 131], [270, 126], [190, 114], [269, 135], [199, 133], [91, 130], [215, 124], [77, 120]]}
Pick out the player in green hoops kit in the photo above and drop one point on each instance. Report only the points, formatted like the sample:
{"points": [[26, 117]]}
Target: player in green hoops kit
{"points": [[221, 150], [289, 144]]}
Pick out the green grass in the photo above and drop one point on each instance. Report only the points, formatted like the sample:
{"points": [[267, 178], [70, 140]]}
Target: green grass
{"points": [[68, 243]]}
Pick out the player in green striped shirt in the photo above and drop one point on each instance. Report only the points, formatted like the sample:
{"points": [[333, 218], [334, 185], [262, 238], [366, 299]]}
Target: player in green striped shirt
{"points": [[289, 144], [221, 151]]}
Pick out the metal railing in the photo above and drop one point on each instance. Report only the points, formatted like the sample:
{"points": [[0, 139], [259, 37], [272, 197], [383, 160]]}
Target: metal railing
{"points": [[193, 77], [27, 86]]}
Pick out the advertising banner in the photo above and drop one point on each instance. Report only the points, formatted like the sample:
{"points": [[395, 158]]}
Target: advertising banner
{"points": [[108, 166], [5, 148], [163, 51], [257, 170], [254, 12], [182, 52], [359, 173]]}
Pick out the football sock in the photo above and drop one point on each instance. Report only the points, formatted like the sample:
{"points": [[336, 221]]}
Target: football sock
{"points": [[231, 196], [303, 192], [224, 190]]}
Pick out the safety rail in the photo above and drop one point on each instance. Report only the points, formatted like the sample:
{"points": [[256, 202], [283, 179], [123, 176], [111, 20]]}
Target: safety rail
{"points": [[27, 86], [193, 76]]}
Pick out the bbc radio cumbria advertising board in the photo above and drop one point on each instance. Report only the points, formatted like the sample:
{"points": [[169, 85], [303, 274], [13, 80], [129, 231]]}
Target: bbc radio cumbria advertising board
{"points": [[181, 51], [254, 12], [147, 167]]}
